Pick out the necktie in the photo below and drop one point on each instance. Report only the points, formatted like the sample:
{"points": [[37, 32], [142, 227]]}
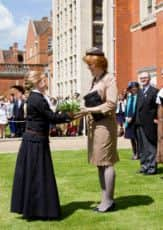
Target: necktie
{"points": [[144, 89], [120, 107]]}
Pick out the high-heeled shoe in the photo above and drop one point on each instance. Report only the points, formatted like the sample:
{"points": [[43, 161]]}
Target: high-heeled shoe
{"points": [[109, 209]]}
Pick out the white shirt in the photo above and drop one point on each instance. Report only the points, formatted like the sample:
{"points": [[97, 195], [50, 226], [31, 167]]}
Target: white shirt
{"points": [[160, 94]]}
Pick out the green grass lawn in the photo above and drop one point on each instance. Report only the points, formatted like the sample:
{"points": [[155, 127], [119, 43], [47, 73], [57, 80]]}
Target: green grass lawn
{"points": [[139, 198]]}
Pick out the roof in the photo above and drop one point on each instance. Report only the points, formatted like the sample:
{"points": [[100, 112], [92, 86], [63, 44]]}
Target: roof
{"points": [[41, 26], [6, 53]]}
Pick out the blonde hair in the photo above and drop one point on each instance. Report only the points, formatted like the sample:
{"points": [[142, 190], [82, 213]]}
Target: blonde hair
{"points": [[35, 77], [99, 61]]}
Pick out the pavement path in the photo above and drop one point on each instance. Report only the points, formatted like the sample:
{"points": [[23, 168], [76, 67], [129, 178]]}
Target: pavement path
{"points": [[11, 145]]}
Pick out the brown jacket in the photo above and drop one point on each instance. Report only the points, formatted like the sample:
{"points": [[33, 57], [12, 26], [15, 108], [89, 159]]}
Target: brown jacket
{"points": [[102, 135]]}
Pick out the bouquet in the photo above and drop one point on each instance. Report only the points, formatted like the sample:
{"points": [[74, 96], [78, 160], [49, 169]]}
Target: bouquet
{"points": [[69, 106]]}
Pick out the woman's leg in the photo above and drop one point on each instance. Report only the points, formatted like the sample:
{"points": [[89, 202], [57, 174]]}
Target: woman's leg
{"points": [[1, 132], [107, 182], [134, 149]]}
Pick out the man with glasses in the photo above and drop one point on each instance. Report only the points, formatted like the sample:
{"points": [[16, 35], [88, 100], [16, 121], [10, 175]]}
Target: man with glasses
{"points": [[146, 127]]}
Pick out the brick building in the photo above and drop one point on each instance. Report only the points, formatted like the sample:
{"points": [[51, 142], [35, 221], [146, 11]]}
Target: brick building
{"points": [[38, 35], [13, 55], [39, 46], [138, 40], [10, 64]]}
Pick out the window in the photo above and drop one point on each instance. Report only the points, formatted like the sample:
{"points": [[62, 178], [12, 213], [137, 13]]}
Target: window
{"points": [[97, 10], [147, 9], [49, 43], [97, 35], [20, 58]]}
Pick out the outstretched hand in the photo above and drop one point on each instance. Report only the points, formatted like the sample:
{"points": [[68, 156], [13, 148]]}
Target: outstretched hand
{"points": [[83, 111]]}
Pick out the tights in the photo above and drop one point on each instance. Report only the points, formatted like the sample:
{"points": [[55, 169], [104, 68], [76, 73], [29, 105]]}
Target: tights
{"points": [[107, 183]]}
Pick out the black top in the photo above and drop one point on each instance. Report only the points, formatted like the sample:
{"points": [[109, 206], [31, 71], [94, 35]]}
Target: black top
{"points": [[18, 112], [39, 114]]}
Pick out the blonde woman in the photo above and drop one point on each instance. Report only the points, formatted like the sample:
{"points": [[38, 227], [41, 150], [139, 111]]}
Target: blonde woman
{"points": [[34, 193], [100, 105]]}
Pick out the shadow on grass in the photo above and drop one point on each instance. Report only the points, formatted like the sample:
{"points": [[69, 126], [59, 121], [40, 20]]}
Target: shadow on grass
{"points": [[70, 208], [160, 170], [125, 202]]}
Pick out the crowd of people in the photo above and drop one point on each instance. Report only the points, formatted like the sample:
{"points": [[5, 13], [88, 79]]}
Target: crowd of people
{"points": [[138, 113], [139, 117], [13, 115]]}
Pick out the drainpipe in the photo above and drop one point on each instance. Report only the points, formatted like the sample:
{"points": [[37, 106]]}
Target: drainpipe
{"points": [[112, 37], [109, 34]]}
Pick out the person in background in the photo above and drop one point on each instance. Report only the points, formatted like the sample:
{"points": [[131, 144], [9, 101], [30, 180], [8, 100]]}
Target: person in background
{"points": [[130, 113], [34, 192], [159, 101], [18, 109], [3, 117], [120, 114], [146, 128], [102, 126], [10, 115]]}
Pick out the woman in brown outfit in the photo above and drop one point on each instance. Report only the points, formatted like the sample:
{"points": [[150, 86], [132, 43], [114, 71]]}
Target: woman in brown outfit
{"points": [[100, 108], [159, 101]]}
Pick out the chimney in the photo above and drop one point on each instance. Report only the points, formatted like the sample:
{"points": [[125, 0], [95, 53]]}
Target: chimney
{"points": [[44, 18], [15, 45]]}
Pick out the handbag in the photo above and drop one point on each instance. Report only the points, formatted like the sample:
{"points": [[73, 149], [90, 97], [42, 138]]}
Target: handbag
{"points": [[91, 100]]}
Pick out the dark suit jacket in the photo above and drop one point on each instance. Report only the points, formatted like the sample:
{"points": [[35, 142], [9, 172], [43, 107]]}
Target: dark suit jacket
{"points": [[146, 112], [18, 112], [39, 114]]}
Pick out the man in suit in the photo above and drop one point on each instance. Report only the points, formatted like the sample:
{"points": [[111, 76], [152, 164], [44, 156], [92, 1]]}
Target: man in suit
{"points": [[18, 110], [146, 127]]}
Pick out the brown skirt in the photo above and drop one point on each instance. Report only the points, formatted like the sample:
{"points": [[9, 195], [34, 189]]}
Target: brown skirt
{"points": [[102, 142]]}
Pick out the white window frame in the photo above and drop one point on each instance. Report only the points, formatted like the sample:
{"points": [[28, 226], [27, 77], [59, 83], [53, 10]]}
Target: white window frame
{"points": [[147, 18]]}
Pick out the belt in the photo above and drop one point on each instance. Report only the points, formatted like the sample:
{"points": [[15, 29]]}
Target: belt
{"points": [[35, 132]]}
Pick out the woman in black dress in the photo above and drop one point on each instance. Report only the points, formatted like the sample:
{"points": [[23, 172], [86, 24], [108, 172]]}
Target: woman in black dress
{"points": [[34, 193]]}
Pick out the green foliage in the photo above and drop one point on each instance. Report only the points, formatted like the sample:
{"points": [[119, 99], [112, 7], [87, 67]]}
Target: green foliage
{"points": [[69, 106], [138, 198]]}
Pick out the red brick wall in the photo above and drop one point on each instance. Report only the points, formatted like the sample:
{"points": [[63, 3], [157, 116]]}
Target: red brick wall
{"points": [[138, 49], [134, 7], [143, 49], [123, 43], [44, 46], [39, 49], [159, 32], [6, 83], [30, 44], [158, 1]]}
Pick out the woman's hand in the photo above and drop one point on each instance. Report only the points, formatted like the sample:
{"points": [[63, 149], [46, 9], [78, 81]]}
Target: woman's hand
{"points": [[70, 114], [83, 111]]}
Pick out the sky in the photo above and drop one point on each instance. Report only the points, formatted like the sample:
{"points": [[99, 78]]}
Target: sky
{"points": [[14, 18]]}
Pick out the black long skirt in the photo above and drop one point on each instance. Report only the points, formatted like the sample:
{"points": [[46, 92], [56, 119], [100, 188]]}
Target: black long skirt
{"points": [[34, 193]]}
